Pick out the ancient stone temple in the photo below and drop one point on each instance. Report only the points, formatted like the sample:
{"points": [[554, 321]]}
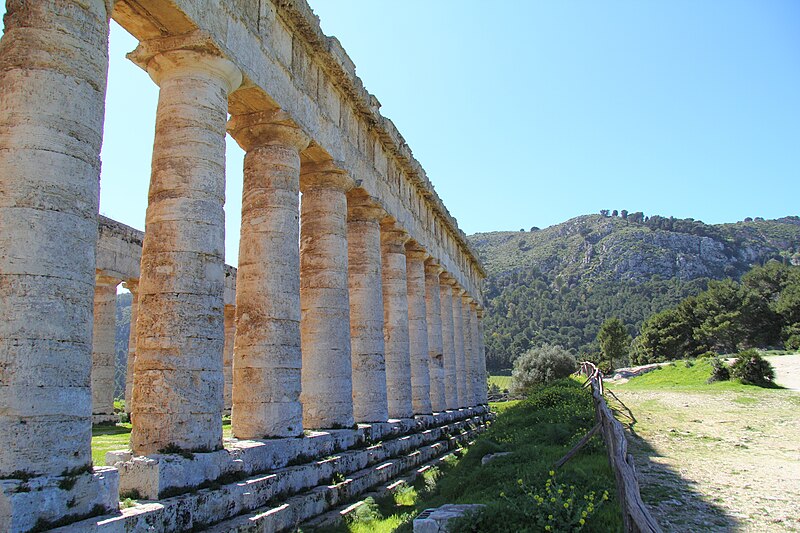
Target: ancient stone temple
{"points": [[347, 344]]}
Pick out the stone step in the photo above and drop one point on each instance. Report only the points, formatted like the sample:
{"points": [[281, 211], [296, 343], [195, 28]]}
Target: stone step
{"points": [[337, 515], [191, 511], [290, 513]]}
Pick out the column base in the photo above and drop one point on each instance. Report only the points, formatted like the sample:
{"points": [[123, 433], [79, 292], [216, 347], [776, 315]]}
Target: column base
{"points": [[46, 502]]}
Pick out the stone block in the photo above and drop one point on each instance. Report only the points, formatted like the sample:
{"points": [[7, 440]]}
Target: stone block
{"points": [[436, 520], [43, 502]]}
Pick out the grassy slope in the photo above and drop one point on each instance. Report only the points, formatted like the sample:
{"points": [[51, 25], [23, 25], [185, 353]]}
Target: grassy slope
{"points": [[504, 382], [538, 431], [684, 375]]}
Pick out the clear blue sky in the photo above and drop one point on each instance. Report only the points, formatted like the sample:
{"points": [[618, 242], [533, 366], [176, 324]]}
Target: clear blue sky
{"points": [[527, 113]]}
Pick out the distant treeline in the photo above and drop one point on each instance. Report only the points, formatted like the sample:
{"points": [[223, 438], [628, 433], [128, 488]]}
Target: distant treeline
{"points": [[527, 308], [761, 311]]}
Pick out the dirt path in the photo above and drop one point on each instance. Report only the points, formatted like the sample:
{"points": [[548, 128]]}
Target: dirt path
{"points": [[722, 461], [787, 370]]}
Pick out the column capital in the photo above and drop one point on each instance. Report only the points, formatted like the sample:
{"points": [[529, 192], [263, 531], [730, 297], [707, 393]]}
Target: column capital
{"points": [[393, 235], [432, 268], [458, 290], [267, 128], [132, 285], [362, 207], [324, 175], [171, 57], [480, 311], [447, 278], [415, 251], [103, 280], [467, 298]]}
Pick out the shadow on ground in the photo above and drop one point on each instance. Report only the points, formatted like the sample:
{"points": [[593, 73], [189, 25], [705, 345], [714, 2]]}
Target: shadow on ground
{"points": [[673, 500]]}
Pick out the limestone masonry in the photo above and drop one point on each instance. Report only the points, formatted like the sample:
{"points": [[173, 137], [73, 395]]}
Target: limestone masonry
{"points": [[348, 343]]}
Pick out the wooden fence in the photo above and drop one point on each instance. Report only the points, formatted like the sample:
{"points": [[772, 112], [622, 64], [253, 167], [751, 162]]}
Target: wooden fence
{"points": [[636, 516]]}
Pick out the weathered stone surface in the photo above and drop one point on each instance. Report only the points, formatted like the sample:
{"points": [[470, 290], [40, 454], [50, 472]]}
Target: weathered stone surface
{"points": [[448, 344], [433, 312], [458, 343], [395, 320], [436, 520], [36, 503], [262, 464], [133, 287], [103, 352], [366, 309], [418, 329], [327, 389], [483, 393], [470, 372], [178, 379], [229, 325], [53, 64], [267, 357]]}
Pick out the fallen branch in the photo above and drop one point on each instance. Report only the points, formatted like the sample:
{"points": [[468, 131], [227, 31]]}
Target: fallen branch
{"points": [[578, 446]]}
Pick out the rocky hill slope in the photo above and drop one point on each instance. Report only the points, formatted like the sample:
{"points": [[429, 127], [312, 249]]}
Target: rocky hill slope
{"points": [[560, 283]]}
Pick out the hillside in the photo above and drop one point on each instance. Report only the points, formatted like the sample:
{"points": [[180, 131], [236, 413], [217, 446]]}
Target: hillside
{"points": [[560, 283]]}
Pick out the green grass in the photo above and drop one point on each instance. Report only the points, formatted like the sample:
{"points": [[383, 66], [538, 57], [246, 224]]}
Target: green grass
{"points": [[109, 438], [504, 382], [538, 431], [684, 375]]}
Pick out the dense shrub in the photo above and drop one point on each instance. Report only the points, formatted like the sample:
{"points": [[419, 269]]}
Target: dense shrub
{"points": [[719, 370], [752, 369], [541, 365]]}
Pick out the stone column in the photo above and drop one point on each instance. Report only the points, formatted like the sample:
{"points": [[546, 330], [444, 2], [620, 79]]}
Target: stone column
{"points": [[133, 286], [469, 354], [395, 320], [480, 371], [178, 381], [418, 329], [267, 357], [103, 349], [327, 387], [366, 309], [458, 342], [448, 345], [229, 325], [53, 65], [434, 319], [483, 393]]}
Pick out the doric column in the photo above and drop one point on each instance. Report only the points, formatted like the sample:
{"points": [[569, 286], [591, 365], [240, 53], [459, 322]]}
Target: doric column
{"points": [[53, 65], [327, 388], [480, 372], [133, 286], [469, 354], [395, 319], [458, 343], [227, 357], [418, 329], [448, 344], [433, 312], [178, 382], [366, 309], [483, 393], [103, 352], [267, 357]]}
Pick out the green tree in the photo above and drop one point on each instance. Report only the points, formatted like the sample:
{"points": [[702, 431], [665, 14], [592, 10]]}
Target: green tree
{"points": [[614, 342]]}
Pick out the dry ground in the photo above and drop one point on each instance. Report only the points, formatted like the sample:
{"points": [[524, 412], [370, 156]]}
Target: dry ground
{"points": [[721, 461]]}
